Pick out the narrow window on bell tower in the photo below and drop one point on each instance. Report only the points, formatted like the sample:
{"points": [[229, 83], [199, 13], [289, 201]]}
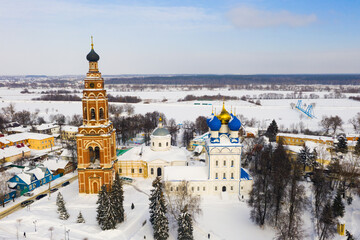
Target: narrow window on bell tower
{"points": [[92, 114], [101, 113]]}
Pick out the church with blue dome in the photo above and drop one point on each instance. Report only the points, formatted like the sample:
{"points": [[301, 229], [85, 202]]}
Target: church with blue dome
{"points": [[222, 172]]}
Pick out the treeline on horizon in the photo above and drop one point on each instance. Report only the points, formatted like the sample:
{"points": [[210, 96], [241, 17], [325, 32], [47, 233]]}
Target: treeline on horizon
{"points": [[331, 79]]}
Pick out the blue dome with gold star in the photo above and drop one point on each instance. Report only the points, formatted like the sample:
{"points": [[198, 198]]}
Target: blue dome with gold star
{"points": [[234, 123], [214, 123]]}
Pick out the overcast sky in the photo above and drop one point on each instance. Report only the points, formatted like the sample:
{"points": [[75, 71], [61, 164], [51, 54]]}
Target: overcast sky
{"points": [[180, 37]]}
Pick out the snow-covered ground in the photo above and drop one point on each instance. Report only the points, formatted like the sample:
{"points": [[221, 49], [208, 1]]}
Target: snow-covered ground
{"points": [[279, 110], [223, 219]]}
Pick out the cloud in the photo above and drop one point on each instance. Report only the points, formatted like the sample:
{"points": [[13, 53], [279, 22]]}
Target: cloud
{"points": [[247, 17]]}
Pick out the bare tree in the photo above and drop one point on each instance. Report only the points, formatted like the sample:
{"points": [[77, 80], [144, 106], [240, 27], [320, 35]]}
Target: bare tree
{"points": [[129, 108], [201, 125], [9, 111], [4, 189], [179, 196], [355, 122], [76, 120]]}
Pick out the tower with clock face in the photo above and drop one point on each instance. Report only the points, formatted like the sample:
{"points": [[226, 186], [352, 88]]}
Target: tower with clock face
{"points": [[96, 145]]}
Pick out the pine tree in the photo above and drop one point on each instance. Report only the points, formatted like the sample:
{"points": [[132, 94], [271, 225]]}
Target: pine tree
{"points": [[106, 217], [63, 214], [349, 236], [338, 207], [357, 147], [59, 198], [80, 218], [185, 229], [161, 223], [154, 197], [110, 215], [341, 145], [272, 131], [117, 198], [307, 158], [100, 208], [327, 223]]}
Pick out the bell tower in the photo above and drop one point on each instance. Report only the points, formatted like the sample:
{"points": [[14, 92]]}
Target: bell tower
{"points": [[96, 145]]}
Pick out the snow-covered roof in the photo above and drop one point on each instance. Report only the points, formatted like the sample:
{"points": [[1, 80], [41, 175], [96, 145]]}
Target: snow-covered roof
{"points": [[305, 136], [198, 149], [12, 151], [12, 184], [24, 136], [19, 129], [174, 154], [187, 173], [66, 153], [38, 172], [25, 177], [202, 138], [46, 126], [54, 165], [68, 128]]}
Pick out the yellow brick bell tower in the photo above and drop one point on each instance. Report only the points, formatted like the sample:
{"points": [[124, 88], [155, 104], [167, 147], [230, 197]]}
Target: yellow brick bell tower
{"points": [[96, 145]]}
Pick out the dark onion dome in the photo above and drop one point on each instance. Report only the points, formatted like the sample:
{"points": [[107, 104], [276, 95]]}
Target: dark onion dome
{"points": [[160, 131], [234, 123], [92, 56], [214, 123]]}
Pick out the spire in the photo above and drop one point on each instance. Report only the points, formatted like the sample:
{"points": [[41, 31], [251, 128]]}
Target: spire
{"points": [[160, 125], [92, 43]]}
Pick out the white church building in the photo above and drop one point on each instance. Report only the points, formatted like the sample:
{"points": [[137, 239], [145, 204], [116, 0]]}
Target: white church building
{"points": [[222, 172]]}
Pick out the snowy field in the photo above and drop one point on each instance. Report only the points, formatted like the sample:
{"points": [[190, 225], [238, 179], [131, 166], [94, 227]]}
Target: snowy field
{"points": [[279, 110], [223, 219]]}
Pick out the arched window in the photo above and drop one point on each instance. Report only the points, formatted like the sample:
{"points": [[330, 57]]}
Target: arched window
{"points": [[232, 175], [216, 163], [91, 154], [92, 113], [101, 113], [232, 163], [167, 143], [85, 113], [159, 144], [132, 170], [152, 171], [140, 170], [224, 163], [216, 175], [224, 175]]}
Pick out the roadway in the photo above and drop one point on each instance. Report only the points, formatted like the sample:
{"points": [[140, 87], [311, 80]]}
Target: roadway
{"points": [[18, 206]]}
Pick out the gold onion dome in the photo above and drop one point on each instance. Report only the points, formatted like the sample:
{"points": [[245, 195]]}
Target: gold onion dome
{"points": [[224, 116]]}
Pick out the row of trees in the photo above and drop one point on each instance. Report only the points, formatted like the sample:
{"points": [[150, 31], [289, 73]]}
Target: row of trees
{"points": [[278, 198], [183, 207]]}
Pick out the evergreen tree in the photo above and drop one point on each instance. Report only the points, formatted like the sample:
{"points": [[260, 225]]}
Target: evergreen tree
{"points": [[341, 145], [59, 198], [272, 131], [307, 158], [161, 223], [357, 147], [338, 207], [155, 197], [117, 198], [261, 195], [185, 229], [105, 211], [63, 214], [349, 236], [281, 167], [80, 218], [327, 223]]}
